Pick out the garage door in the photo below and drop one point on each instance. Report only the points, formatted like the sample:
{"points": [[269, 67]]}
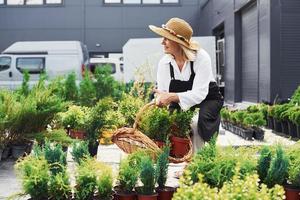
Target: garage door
{"points": [[249, 54]]}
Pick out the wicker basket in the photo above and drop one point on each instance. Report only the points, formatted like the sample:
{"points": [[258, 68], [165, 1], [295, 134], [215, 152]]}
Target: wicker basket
{"points": [[131, 139]]}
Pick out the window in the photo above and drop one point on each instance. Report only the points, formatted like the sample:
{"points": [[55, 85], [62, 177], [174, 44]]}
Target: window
{"points": [[5, 63], [53, 1], [31, 2], [128, 2], [33, 65]]}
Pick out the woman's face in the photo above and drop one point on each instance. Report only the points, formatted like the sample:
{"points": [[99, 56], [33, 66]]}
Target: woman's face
{"points": [[170, 46]]}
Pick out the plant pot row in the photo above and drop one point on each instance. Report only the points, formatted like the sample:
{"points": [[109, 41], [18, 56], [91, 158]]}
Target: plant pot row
{"points": [[15, 151], [165, 193], [285, 127], [246, 133]]}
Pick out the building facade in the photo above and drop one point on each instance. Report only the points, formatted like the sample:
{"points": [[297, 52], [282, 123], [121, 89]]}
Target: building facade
{"points": [[103, 25], [262, 58]]}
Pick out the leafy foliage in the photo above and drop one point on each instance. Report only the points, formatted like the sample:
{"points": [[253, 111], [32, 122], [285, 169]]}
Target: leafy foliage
{"points": [[128, 176], [87, 91], [80, 151], [181, 121], [55, 157], [147, 176], [59, 186], [71, 90], [264, 162], [162, 165]]}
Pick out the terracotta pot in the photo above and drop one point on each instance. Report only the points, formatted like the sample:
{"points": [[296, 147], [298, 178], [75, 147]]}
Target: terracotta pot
{"points": [[180, 146], [125, 196], [147, 197], [77, 134], [165, 193], [292, 193]]}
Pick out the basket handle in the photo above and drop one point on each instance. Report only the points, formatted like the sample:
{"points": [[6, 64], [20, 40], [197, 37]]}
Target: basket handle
{"points": [[140, 113]]}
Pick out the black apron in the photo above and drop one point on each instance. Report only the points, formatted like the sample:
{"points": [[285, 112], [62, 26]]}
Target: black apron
{"points": [[209, 113]]}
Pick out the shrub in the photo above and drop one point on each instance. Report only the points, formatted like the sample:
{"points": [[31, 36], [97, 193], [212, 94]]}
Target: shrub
{"points": [[127, 177], [156, 124], [181, 121], [71, 90], [162, 165], [55, 157], [147, 176], [87, 91], [75, 117], [80, 151], [264, 162], [35, 176], [59, 186], [104, 183]]}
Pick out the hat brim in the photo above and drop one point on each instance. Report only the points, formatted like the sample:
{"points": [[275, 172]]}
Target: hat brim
{"points": [[193, 45]]}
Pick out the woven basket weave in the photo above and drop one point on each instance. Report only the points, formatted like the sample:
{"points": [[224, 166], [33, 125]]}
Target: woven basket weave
{"points": [[131, 139]]}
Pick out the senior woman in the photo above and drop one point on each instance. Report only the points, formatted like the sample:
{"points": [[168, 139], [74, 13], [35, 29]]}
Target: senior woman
{"points": [[185, 78]]}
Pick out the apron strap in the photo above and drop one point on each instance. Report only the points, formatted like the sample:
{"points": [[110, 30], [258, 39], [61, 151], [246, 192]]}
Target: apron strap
{"points": [[172, 71]]}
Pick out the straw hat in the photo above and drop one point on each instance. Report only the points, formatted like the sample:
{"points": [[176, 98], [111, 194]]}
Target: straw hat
{"points": [[177, 30]]}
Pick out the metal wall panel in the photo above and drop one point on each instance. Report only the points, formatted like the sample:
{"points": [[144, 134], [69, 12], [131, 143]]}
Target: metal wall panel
{"points": [[249, 54]]}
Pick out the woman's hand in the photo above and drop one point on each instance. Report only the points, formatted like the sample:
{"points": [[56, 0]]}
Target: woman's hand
{"points": [[165, 98]]}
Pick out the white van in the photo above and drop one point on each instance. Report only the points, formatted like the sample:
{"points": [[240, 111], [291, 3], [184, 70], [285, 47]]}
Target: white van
{"points": [[55, 58], [116, 66]]}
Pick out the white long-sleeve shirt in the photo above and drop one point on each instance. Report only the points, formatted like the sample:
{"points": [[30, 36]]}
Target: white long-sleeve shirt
{"points": [[203, 76]]}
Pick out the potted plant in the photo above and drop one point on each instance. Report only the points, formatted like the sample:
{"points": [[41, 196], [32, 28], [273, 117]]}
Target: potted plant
{"points": [[156, 125], [295, 118], [104, 183], [148, 179], [247, 132], [162, 164], [127, 179], [180, 129], [291, 125], [34, 172], [75, 120], [292, 188], [56, 158], [86, 180], [270, 117], [257, 122], [225, 115], [80, 151], [59, 187], [273, 169]]}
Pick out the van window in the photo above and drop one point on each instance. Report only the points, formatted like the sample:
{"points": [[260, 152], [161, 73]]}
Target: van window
{"points": [[94, 65], [4, 63], [32, 65]]}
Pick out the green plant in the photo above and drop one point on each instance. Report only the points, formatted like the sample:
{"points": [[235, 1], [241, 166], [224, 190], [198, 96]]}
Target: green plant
{"points": [[147, 176], [35, 176], [80, 151], [57, 135], [104, 183], [258, 120], [71, 90], [24, 90], [264, 162], [181, 121], [295, 115], [86, 180], [75, 117], [162, 165], [239, 116], [280, 111], [59, 186], [277, 172], [295, 99], [156, 124], [87, 91], [225, 114], [129, 106], [294, 166], [247, 188], [127, 177], [55, 157]]}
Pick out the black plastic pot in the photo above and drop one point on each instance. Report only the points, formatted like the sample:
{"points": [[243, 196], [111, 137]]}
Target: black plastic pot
{"points": [[270, 122], [18, 151], [292, 129], [258, 134], [285, 127], [6, 153], [93, 149], [277, 125], [298, 131], [247, 134]]}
